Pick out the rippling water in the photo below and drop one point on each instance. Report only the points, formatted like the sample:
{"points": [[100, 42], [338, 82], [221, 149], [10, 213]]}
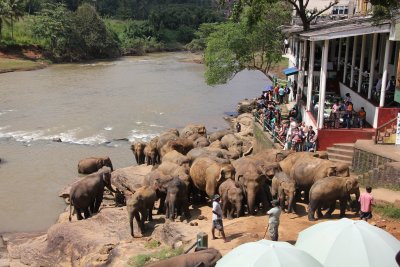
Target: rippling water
{"points": [[90, 107]]}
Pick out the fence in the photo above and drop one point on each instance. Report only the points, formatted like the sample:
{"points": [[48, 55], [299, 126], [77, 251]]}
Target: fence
{"points": [[267, 127]]}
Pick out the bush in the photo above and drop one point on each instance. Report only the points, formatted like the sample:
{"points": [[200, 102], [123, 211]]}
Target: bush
{"points": [[388, 210]]}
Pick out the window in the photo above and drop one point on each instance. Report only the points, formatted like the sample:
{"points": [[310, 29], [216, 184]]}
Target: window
{"points": [[340, 10]]}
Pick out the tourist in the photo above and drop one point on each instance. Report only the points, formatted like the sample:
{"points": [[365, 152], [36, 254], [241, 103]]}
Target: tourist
{"points": [[238, 127], [366, 202], [217, 218], [297, 139], [361, 117], [348, 114], [311, 139], [287, 92], [347, 98], [285, 46], [281, 94], [294, 89], [273, 222], [276, 91], [390, 87], [335, 114]]}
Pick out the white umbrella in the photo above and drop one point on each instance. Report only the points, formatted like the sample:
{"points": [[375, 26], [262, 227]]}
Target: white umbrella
{"points": [[348, 243], [267, 253]]}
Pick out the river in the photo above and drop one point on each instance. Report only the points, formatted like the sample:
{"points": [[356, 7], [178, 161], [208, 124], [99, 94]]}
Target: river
{"points": [[90, 106]]}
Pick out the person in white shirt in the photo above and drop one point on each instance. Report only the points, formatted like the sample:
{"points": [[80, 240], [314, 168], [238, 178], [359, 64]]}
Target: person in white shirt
{"points": [[217, 218], [273, 222]]}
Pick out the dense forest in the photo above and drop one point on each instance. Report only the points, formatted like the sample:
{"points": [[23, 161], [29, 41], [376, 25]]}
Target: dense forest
{"points": [[75, 30]]}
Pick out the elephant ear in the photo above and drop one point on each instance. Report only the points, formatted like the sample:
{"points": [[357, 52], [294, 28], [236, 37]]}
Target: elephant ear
{"points": [[349, 185], [331, 171]]}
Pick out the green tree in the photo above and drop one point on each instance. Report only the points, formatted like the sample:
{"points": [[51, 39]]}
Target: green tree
{"points": [[248, 44], [15, 11], [4, 13], [386, 9]]}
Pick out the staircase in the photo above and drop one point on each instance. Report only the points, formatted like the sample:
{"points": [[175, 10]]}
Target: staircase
{"points": [[341, 153]]}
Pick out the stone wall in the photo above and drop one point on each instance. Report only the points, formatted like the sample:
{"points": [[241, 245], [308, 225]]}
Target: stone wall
{"points": [[376, 170]]}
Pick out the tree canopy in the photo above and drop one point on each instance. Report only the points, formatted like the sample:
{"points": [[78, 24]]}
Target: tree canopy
{"points": [[253, 42]]}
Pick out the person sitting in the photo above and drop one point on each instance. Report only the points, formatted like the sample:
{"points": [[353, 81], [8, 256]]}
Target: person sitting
{"points": [[361, 117]]}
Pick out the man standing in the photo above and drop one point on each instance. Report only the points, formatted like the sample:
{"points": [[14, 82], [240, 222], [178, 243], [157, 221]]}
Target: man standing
{"points": [[217, 218], [366, 202], [273, 222]]}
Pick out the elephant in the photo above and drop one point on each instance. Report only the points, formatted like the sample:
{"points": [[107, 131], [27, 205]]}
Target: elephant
{"points": [[201, 141], [182, 145], [140, 205], [233, 144], [93, 164], [138, 151], [232, 198], [171, 134], [151, 154], [176, 199], [288, 162], [307, 170], [204, 258], [326, 191], [193, 129], [282, 186], [173, 169], [218, 135], [208, 174], [214, 154], [272, 155], [253, 178], [87, 194], [177, 158], [159, 182]]}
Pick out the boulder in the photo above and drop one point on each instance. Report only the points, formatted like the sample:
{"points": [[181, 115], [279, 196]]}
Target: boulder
{"points": [[246, 105]]}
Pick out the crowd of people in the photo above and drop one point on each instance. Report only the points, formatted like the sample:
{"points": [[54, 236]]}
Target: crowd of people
{"points": [[343, 115], [290, 132]]}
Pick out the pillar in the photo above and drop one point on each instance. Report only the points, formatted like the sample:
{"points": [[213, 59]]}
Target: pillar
{"points": [[310, 74], [346, 58], [385, 72], [322, 90], [339, 54], [372, 66], [360, 73], [353, 61]]}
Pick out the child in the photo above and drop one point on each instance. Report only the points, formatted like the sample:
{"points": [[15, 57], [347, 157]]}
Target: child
{"points": [[361, 116]]}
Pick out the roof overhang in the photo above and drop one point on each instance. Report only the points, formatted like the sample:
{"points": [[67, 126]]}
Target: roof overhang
{"points": [[344, 31]]}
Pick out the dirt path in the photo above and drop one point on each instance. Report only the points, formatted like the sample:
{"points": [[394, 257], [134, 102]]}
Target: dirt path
{"points": [[252, 228]]}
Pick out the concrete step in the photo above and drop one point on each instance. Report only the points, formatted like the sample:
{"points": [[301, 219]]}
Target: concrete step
{"points": [[347, 146], [334, 156], [341, 151]]}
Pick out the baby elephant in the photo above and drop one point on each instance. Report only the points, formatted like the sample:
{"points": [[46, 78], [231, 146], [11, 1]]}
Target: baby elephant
{"points": [[93, 164], [87, 194], [205, 258], [326, 191], [232, 198], [281, 187], [176, 199], [140, 205]]}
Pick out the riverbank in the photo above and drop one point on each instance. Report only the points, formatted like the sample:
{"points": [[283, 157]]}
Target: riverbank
{"points": [[32, 58]]}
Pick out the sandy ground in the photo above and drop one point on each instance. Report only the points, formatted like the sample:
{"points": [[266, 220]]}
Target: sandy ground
{"points": [[252, 228]]}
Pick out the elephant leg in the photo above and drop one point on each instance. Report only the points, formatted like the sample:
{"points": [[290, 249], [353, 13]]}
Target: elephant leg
{"points": [[151, 213], [167, 210], [231, 211], [224, 208], [312, 207], [99, 199], [140, 222], [330, 210], [86, 213], [306, 195], [130, 215], [137, 159], [78, 214], [343, 204], [161, 207], [319, 212], [172, 210]]}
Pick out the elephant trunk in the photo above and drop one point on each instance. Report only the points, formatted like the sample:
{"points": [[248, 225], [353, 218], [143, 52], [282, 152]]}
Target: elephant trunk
{"points": [[251, 199], [290, 203], [172, 210], [238, 208]]}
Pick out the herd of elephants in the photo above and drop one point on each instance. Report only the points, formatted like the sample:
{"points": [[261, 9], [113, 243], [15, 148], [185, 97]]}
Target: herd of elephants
{"points": [[190, 165]]}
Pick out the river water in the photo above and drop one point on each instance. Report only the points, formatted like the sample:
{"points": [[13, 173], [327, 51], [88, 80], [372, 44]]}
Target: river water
{"points": [[90, 107]]}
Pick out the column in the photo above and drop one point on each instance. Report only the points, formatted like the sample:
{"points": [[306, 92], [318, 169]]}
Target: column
{"points": [[303, 69], [310, 74], [346, 58], [339, 54], [360, 73], [385, 72], [353, 61], [322, 90], [372, 66]]}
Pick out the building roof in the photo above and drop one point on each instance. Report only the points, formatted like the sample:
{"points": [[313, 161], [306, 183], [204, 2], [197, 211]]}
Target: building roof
{"points": [[327, 30]]}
